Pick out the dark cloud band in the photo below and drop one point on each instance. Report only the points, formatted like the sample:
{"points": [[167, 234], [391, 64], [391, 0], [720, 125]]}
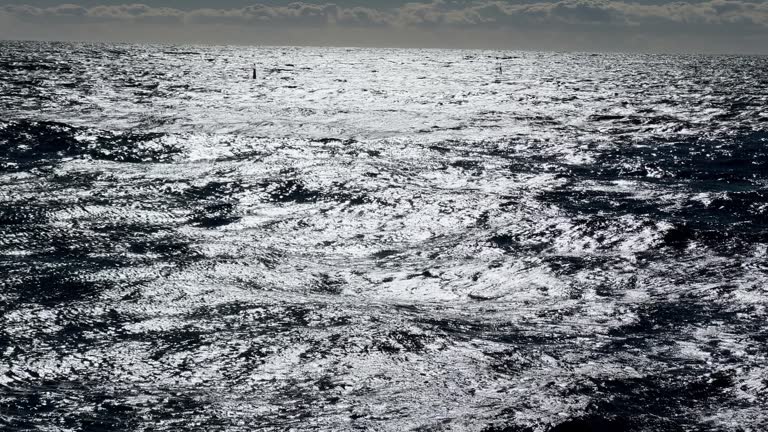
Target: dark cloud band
{"points": [[713, 15]]}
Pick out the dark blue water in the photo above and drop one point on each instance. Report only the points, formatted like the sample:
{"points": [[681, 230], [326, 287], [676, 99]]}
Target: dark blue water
{"points": [[367, 239]]}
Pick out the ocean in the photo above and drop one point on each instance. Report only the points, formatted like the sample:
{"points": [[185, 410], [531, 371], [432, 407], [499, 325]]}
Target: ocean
{"points": [[381, 239]]}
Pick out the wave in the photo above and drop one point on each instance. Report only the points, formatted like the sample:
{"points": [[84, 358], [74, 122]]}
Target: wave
{"points": [[24, 143]]}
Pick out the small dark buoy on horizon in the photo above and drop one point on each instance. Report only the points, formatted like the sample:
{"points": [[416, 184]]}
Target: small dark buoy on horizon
{"points": [[254, 72]]}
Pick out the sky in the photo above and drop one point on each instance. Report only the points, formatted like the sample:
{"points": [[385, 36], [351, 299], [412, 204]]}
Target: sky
{"points": [[710, 26]]}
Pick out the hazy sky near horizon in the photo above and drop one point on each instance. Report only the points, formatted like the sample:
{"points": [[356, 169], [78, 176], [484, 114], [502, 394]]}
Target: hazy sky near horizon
{"points": [[726, 26]]}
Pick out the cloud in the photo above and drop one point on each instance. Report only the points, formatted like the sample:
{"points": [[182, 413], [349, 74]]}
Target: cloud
{"points": [[711, 15], [484, 14], [301, 14], [134, 12], [78, 14]]}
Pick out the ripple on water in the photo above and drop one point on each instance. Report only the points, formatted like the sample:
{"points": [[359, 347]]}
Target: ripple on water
{"points": [[342, 245]]}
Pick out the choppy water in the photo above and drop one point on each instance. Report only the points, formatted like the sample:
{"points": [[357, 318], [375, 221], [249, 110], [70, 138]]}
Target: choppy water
{"points": [[381, 240]]}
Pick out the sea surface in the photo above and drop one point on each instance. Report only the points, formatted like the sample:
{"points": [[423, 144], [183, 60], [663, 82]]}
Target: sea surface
{"points": [[381, 239]]}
